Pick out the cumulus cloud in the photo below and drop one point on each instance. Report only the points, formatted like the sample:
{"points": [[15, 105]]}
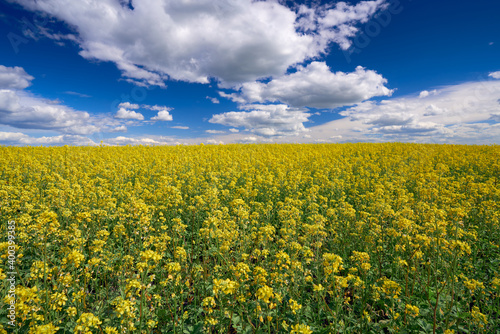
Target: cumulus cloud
{"points": [[121, 128], [163, 115], [233, 130], [432, 110], [338, 23], [154, 140], [495, 75], [423, 94], [316, 86], [265, 120], [250, 139], [18, 138], [235, 97], [127, 111], [445, 115], [9, 137], [214, 142], [128, 105], [344, 13], [123, 113], [23, 110], [467, 113], [180, 127], [14, 78], [232, 41], [215, 131], [156, 107]]}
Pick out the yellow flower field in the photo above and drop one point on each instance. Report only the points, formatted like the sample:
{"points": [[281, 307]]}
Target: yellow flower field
{"points": [[278, 238]]}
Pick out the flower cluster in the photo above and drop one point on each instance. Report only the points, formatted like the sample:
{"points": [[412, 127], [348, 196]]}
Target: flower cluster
{"points": [[288, 238]]}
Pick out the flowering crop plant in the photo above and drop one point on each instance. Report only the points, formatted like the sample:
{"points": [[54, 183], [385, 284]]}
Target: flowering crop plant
{"points": [[265, 238]]}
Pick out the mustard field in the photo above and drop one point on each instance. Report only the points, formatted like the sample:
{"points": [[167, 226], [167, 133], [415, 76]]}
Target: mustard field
{"points": [[288, 238]]}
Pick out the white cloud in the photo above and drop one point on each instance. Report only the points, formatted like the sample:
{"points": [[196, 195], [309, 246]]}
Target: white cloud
{"points": [[250, 139], [214, 142], [156, 107], [495, 75], [233, 41], [9, 101], [316, 86], [155, 140], [432, 110], [344, 13], [423, 94], [23, 110], [76, 94], [343, 18], [12, 137], [121, 128], [213, 100], [233, 130], [467, 113], [61, 140], [128, 105], [215, 131], [449, 115], [123, 113], [163, 115], [265, 120], [233, 97], [18, 138], [14, 78], [180, 127]]}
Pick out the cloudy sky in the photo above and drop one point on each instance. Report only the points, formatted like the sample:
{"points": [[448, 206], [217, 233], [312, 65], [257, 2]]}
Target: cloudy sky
{"points": [[212, 71]]}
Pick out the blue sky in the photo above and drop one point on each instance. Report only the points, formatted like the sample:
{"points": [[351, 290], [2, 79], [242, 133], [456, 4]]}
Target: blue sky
{"points": [[223, 71]]}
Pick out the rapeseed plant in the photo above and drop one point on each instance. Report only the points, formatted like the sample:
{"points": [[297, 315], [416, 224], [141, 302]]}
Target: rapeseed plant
{"points": [[287, 238]]}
